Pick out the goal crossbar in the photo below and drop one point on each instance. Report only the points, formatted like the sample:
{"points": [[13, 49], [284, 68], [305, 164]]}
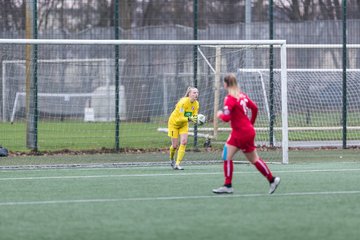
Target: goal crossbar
{"points": [[142, 42]]}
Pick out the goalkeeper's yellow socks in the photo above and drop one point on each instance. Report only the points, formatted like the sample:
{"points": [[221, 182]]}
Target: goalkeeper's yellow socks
{"points": [[180, 154], [172, 152]]}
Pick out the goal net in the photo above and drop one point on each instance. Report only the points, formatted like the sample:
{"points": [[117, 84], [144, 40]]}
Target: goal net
{"points": [[76, 96], [316, 108], [67, 88], [315, 105]]}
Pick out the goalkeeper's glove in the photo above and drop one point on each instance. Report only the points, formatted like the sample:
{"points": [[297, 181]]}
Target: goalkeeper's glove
{"points": [[193, 118]]}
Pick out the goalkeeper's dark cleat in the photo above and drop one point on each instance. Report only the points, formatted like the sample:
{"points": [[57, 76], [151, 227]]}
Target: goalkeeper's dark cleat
{"points": [[274, 185], [172, 163], [223, 190]]}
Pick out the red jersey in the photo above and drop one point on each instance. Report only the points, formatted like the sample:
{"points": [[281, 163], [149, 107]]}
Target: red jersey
{"points": [[236, 110]]}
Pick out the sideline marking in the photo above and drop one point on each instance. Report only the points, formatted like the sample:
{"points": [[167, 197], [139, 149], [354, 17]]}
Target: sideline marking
{"points": [[168, 174], [174, 198], [97, 167], [129, 165]]}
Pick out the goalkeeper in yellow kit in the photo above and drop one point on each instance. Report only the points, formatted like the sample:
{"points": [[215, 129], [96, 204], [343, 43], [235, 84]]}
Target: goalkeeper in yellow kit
{"points": [[185, 110]]}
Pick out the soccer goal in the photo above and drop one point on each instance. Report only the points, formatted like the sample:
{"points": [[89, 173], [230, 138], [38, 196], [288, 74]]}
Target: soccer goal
{"points": [[315, 105], [66, 88], [69, 74]]}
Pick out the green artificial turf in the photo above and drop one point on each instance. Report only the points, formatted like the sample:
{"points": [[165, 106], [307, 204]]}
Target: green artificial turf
{"points": [[314, 201]]}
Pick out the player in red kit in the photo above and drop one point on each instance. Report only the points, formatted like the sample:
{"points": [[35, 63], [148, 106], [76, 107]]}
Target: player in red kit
{"points": [[242, 136]]}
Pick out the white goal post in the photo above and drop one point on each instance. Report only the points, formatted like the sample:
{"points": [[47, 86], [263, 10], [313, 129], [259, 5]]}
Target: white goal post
{"points": [[215, 65]]}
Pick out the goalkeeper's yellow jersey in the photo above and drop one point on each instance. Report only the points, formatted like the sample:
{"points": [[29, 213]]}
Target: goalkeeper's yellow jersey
{"points": [[183, 109]]}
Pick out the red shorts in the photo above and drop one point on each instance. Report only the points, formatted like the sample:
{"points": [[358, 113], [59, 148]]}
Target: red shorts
{"points": [[245, 142]]}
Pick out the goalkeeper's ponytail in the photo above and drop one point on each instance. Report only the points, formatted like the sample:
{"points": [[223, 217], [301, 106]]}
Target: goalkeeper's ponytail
{"points": [[188, 90]]}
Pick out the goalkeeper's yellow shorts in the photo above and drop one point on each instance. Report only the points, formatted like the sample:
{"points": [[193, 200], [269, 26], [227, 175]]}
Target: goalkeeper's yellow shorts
{"points": [[174, 132]]}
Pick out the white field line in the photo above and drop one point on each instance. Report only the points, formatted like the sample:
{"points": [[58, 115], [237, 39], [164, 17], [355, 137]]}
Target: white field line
{"points": [[165, 165], [81, 201], [168, 174]]}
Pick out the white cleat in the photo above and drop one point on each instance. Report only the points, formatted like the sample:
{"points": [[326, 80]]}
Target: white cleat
{"points": [[223, 190], [274, 185], [177, 167]]}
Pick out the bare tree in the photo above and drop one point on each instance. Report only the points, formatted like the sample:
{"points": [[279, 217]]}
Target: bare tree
{"points": [[300, 10], [296, 10], [353, 10], [76, 15], [46, 8], [127, 12], [330, 9], [260, 11], [12, 14], [225, 11]]}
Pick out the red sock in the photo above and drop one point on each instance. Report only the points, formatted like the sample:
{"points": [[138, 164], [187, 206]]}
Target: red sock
{"points": [[228, 171], [263, 168]]}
